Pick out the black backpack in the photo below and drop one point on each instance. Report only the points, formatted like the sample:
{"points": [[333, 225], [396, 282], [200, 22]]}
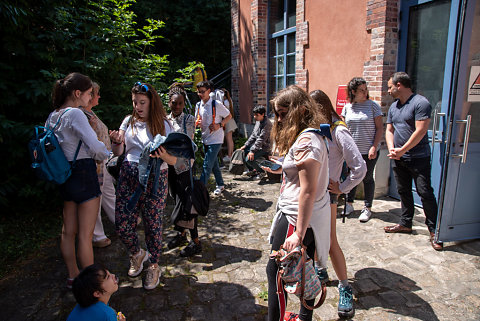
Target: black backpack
{"points": [[200, 198], [237, 163]]}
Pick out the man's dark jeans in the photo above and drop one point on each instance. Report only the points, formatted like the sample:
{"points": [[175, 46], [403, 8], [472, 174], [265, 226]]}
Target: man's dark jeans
{"points": [[418, 169], [253, 165]]}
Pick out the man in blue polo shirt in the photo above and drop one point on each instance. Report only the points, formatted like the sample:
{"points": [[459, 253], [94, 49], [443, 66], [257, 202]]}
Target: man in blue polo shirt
{"points": [[407, 141]]}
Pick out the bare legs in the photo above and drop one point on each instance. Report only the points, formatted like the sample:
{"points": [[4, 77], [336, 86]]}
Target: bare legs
{"points": [[336, 253], [78, 219], [229, 139]]}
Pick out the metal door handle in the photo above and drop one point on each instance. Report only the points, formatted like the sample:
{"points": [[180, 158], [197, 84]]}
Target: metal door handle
{"points": [[466, 137], [434, 130]]}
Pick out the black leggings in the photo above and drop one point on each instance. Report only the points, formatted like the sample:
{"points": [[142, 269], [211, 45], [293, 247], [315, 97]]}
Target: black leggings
{"points": [[274, 304]]}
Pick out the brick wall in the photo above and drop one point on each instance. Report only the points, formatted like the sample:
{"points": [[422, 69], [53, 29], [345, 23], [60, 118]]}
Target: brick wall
{"points": [[259, 51], [235, 53], [301, 40], [382, 24]]}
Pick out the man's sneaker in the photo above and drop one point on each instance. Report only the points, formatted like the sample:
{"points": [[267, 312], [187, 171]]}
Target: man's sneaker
{"points": [[178, 240], [365, 215], [252, 173], [226, 159], [219, 190], [152, 279], [345, 302], [322, 274], [290, 316], [348, 209], [136, 263], [191, 249], [260, 176]]}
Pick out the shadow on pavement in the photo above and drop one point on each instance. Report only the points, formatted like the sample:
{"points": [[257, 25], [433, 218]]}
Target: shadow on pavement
{"points": [[377, 287], [470, 247], [185, 298]]}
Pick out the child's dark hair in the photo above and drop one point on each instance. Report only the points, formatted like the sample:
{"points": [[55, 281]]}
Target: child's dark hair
{"points": [[259, 109], [64, 87], [177, 89], [206, 84], [87, 283]]}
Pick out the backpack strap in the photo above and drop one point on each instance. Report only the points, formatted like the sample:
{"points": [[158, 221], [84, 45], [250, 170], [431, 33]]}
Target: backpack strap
{"points": [[338, 123], [53, 129], [214, 111]]}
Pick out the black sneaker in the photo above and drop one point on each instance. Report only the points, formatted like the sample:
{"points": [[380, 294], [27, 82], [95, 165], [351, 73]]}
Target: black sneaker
{"points": [[178, 240], [191, 249]]}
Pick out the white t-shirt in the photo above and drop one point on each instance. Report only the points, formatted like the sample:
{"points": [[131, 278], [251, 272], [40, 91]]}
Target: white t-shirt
{"points": [[137, 139], [72, 128], [360, 119], [205, 110]]}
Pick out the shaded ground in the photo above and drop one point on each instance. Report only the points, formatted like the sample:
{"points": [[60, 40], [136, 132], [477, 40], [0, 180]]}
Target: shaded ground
{"points": [[395, 277]]}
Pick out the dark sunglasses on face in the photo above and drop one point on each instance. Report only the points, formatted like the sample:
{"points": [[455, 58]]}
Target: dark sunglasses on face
{"points": [[141, 87], [201, 91]]}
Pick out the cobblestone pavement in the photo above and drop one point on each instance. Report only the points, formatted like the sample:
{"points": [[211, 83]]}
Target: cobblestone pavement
{"points": [[395, 277]]}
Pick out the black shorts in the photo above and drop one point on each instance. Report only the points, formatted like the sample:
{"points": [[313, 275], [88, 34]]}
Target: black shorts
{"points": [[83, 184]]}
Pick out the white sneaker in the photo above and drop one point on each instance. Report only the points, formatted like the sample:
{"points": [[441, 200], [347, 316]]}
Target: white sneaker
{"points": [[219, 190], [136, 263], [365, 215], [226, 159], [348, 209]]}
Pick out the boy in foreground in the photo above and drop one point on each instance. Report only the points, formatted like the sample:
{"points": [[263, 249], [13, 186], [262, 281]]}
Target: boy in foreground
{"points": [[92, 289]]}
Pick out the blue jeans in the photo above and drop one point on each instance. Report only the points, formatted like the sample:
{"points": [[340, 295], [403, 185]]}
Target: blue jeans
{"points": [[253, 165], [210, 164]]}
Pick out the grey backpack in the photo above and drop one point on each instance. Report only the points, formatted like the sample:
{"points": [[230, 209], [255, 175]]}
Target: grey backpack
{"points": [[237, 163]]}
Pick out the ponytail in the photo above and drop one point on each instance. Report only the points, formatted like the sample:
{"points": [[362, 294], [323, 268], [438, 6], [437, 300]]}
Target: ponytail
{"points": [[63, 88]]}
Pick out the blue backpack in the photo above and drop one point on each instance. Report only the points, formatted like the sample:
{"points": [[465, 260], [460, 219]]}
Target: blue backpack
{"points": [[48, 160]]}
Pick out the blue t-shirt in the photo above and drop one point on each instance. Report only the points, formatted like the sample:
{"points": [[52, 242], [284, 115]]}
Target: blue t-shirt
{"points": [[96, 312], [403, 118]]}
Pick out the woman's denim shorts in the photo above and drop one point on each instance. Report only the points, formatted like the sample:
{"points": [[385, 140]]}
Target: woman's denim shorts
{"points": [[83, 184]]}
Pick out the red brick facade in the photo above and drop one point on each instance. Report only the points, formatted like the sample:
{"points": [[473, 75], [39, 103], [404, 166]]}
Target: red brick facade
{"points": [[381, 25]]}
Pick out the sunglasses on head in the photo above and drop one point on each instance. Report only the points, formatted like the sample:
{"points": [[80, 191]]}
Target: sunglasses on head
{"points": [[141, 87]]}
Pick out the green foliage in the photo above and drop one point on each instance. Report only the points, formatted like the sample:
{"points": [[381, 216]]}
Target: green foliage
{"points": [[188, 72], [45, 40]]}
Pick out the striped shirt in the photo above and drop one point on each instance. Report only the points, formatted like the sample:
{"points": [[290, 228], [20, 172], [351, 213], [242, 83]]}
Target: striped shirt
{"points": [[360, 119]]}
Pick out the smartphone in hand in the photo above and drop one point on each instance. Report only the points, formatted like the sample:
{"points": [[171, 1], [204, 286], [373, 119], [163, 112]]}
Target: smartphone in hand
{"points": [[273, 166]]}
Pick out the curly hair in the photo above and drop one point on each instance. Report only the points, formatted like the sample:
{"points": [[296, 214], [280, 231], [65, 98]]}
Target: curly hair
{"points": [[156, 114], [302, 113], [353, 85]]}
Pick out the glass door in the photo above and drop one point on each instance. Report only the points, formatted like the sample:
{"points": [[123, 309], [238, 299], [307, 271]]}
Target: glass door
{"points": [[459, 214], [426, 52]]}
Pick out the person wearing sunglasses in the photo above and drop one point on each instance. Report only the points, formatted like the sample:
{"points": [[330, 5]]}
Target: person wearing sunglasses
{"points": [[211, 119], [136, 131], [303, 207]]}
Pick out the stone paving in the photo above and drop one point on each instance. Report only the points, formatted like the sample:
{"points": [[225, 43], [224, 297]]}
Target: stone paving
{"points": [[395, 277]]}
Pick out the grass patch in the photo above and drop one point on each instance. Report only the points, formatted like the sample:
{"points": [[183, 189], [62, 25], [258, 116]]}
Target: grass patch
{"points": [[263, 295], [23, 234]]}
